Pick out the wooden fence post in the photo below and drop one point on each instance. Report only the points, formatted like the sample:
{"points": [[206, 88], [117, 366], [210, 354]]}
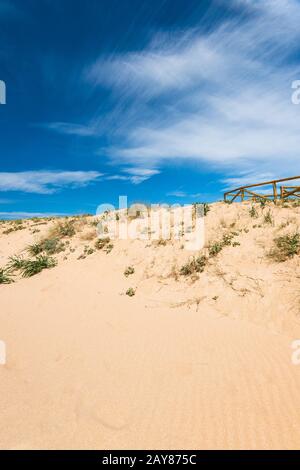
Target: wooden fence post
{"points": [[274, 191]]}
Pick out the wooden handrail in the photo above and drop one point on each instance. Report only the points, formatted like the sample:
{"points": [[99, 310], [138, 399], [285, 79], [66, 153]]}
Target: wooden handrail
{"points": [[234, 193]]}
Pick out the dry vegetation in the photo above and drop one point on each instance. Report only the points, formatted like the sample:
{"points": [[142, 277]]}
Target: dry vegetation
{"points": [[238, 236]]}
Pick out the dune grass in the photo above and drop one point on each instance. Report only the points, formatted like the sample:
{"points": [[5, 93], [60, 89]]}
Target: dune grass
{"points": [[253, 212], [15, 263], [63, 230], [34, 266], [5, 277], [30, 267], [50, 246], [268, 219]]}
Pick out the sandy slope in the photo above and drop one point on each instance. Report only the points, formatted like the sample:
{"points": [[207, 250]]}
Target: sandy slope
{"points": [[203, 363]]}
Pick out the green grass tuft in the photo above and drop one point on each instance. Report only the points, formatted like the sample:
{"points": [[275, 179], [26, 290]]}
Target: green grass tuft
{"points": [[50, 246], [31, 267], [5, 277], [16, 263]]}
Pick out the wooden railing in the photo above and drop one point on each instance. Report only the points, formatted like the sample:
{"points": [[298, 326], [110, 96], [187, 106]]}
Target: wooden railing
{"points": [[274, 191]]}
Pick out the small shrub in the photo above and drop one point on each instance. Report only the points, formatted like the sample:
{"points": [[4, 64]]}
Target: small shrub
{"points": [[196, 265], [128, 271], [215, 249], [253, 212], [101, 243], [7, 231], [226, 240], [160, 242], [14, 227], [286, 246], [130, 292], [94, 223], [50, 246], [108, 248], [88, 250], [206, 208], [63, 229], [268, 219]]}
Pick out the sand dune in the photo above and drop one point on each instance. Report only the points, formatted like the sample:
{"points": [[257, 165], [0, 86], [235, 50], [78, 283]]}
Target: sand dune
{"points": [[197, 361]]}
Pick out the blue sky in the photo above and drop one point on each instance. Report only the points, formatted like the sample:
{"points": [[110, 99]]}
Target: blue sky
{"points": [[161, 100]]}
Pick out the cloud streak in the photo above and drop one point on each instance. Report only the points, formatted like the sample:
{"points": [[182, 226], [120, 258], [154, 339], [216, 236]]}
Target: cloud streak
{"points": [[135, 175], [222, 97], [46, 182]]}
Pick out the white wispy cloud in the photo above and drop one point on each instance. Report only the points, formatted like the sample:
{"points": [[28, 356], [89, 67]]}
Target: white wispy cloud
{"points": [[71, 128], [135, 175], [177, 193], [222, 97], [244, 179], [186, 195], [45, 182]]}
